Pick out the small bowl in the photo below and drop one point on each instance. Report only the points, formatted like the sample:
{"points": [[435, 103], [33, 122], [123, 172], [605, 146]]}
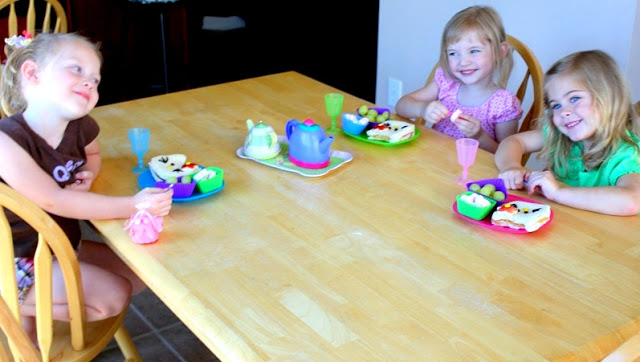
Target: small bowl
{"points": [[473, 211], [351, 123], [180, 190], [497, 182], [210, 184]]}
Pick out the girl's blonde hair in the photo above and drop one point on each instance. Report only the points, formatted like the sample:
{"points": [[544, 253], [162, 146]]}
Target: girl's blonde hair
{"points": [[603, 79], [486, 22], [42, 49]]}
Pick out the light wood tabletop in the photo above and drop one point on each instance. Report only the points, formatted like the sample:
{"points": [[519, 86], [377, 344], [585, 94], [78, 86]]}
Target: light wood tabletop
{"points": [[368, 262]]}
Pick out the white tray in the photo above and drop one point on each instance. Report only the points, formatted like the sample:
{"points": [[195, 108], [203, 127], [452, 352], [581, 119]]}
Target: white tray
{"points": [[337, 159]]}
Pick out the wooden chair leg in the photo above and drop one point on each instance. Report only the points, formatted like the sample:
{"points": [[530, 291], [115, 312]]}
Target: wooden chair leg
{"points": [[126, 345]]}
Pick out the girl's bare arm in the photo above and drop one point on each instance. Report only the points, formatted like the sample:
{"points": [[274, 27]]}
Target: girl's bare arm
{"points": [[414, 104], [621, 199], [21, 172]]}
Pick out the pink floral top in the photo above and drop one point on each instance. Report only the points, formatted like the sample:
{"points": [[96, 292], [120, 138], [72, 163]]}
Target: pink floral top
{"points": [[502, 106]]}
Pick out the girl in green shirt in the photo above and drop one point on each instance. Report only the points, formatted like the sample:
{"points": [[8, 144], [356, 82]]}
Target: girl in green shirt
{"points": [[589, 138]]}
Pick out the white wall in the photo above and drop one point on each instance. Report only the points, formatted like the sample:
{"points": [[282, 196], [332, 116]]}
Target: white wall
{"points": [[410, 30], [633, 68]]}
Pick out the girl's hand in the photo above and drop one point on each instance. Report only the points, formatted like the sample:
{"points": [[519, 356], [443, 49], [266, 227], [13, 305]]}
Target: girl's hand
{"points": [[468, 125], [160, 200], [83, 181], [545, 182], [514, 177], [434, 112]]}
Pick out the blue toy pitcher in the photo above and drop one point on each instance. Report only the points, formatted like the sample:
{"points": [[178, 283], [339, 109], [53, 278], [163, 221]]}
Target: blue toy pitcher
{"points": [[308, 144]]}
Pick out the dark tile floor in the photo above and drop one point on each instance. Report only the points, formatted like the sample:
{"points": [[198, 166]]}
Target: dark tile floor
{"points": [[157, 333]]}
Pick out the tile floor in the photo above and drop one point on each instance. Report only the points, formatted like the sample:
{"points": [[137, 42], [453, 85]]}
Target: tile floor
{"points": [[158, 334]]}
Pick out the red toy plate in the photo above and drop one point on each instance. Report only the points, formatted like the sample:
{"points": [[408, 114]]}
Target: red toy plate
{"points": [[486, 222]]}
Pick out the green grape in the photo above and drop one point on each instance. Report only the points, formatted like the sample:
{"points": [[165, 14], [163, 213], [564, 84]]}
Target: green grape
{"points": [[498, 195], [487, 189]]}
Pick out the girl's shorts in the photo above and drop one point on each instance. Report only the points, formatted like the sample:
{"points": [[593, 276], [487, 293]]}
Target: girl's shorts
{"points": [[24, 276]]}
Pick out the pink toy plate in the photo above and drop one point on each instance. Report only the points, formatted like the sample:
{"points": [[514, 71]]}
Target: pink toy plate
{"points": [[486, 222]]}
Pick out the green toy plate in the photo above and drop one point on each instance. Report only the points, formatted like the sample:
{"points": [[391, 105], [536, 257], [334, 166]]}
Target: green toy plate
{"points": [[363, 137]]}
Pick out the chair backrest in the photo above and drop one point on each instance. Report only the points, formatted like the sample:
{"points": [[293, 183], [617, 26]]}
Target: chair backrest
{"points": [[60, 23], [534, 74], [19, 339], [52, 241]]}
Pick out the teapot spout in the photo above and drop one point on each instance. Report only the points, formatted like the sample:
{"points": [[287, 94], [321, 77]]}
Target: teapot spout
{"points": [[326, 143], [249, 124]]}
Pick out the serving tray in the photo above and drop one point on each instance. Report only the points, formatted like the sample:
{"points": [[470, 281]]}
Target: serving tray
{"points": [[337, 159]]}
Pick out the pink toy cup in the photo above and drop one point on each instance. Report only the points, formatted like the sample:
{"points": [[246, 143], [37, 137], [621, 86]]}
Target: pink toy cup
{"points": [[143, 227], [467, 149]]}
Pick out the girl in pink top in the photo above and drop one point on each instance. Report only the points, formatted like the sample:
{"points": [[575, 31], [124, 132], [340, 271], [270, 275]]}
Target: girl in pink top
{"points": [[475, 64]]}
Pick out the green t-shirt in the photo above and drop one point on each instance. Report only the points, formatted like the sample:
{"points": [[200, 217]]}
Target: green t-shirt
{"points": [[625, 160]]}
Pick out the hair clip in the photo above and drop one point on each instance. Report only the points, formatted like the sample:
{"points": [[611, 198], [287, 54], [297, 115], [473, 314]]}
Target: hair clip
{"points": [[19, 41]]}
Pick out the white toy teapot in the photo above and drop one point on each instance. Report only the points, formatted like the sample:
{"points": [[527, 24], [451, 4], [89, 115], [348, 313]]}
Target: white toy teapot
{"points": [[261, 142]]}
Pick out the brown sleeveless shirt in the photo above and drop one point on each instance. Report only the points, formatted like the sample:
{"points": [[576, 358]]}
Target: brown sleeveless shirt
{"points": [[60, 163]]}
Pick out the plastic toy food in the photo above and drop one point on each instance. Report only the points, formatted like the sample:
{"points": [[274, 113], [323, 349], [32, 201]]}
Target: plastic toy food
{"points": [[474, 205], [475, 200], [455, 115], [183, 176], [521, 215], [493, 188], [392, 131], [374, 114], [499, 195], [487, 189], [165, 166]]}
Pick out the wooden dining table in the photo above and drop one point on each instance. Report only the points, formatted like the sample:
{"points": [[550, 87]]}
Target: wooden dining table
{"points": [[368, 261]]}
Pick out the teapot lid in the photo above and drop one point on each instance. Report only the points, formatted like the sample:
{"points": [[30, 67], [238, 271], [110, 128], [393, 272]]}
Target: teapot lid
{"points": [[309, 125]]}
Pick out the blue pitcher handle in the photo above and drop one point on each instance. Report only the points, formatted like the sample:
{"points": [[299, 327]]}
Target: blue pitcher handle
{"points": [[291, 124]]}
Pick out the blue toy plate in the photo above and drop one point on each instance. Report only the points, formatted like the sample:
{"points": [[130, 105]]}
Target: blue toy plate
{"points": [[146, 180]]}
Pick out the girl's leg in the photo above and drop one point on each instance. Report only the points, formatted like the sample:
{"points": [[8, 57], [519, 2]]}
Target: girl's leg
{"points": [[29, 326], [105, 294], [101, 255]]}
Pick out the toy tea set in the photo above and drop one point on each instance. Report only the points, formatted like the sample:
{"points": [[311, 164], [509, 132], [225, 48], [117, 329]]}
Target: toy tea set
{"points": [[305, 148]]}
